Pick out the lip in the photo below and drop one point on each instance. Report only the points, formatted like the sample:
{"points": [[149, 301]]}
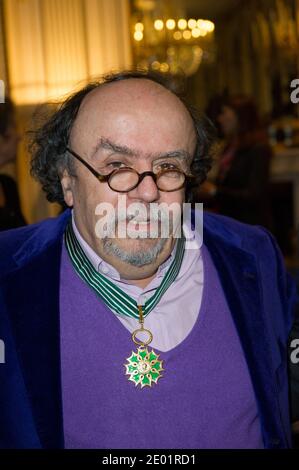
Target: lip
{"points": [[148, 227], [140, 221], [141, 224]]}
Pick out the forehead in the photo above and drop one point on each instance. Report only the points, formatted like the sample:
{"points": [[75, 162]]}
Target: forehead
{"points": [[133, 112]]}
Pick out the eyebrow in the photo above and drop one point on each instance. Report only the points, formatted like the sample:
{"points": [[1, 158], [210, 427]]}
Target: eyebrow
{"points": [[107, 144]]}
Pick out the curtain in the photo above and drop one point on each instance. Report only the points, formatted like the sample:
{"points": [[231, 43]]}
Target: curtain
{"points": [[3, 75], [53, 47]]}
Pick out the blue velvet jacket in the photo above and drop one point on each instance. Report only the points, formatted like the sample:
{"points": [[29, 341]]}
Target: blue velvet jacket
{"points": [[258, 290]]}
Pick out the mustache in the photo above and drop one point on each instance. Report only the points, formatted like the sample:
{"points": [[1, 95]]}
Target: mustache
{"points": [[157, 219], [126, 221], [145, 216]]}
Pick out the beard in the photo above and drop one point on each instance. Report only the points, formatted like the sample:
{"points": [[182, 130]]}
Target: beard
{"points": [[139, 255], [137, 248]]}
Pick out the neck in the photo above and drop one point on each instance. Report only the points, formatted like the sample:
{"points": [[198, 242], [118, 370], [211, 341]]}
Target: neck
{"points": [[142, 283]]}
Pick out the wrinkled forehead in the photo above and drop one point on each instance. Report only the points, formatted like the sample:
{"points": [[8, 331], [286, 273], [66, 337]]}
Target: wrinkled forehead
{"points": [[131, 106]]}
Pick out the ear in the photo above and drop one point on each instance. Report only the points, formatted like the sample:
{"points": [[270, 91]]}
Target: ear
{"points": [[67, 188]]}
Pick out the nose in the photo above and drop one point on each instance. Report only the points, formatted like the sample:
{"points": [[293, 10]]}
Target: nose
{"points": [[146, 190]]}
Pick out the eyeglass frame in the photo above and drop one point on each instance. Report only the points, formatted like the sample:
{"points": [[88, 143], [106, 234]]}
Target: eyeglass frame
{"points": [[141, 176]]}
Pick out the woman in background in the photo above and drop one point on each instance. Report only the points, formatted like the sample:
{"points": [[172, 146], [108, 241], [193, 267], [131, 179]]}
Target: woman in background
{"points": [[10, 210], [241, 187]]}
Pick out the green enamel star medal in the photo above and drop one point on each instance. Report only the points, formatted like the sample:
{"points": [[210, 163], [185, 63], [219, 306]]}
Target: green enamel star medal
{"points": [[143, 366]]}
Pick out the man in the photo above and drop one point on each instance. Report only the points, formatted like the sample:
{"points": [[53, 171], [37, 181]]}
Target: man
{"points": [[118, 341], [10, 210]]}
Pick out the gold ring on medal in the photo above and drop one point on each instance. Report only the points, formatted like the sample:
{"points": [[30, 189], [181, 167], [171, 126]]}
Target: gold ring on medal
{"points": [[142, 343]]}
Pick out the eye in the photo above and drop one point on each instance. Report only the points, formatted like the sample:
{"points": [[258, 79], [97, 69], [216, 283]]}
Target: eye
{"points": [[167, 166], [109, 167], [115, 165]]}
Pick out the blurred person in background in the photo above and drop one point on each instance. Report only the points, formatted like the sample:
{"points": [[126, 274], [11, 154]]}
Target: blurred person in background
{"points": [[241, 186], [10, 210]]}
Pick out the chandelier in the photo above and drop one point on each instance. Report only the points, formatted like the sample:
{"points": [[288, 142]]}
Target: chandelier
{"points": [[167, 42]]}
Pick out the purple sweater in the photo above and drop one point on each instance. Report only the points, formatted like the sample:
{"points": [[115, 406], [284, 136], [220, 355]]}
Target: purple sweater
{"points": [[204, 400]]}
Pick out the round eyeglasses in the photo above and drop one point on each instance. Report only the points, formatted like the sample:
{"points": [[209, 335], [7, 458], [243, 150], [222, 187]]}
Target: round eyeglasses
{"points": [[125, 179]]}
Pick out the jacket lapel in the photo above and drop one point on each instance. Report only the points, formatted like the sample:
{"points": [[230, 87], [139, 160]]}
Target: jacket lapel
{"points": [[239, 277], [35, 322]]}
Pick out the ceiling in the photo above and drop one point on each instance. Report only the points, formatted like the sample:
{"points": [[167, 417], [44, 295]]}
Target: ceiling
{"points": [[210, 9]]}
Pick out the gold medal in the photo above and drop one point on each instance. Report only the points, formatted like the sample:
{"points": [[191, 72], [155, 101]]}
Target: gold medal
{"points": [[143, 366]]}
